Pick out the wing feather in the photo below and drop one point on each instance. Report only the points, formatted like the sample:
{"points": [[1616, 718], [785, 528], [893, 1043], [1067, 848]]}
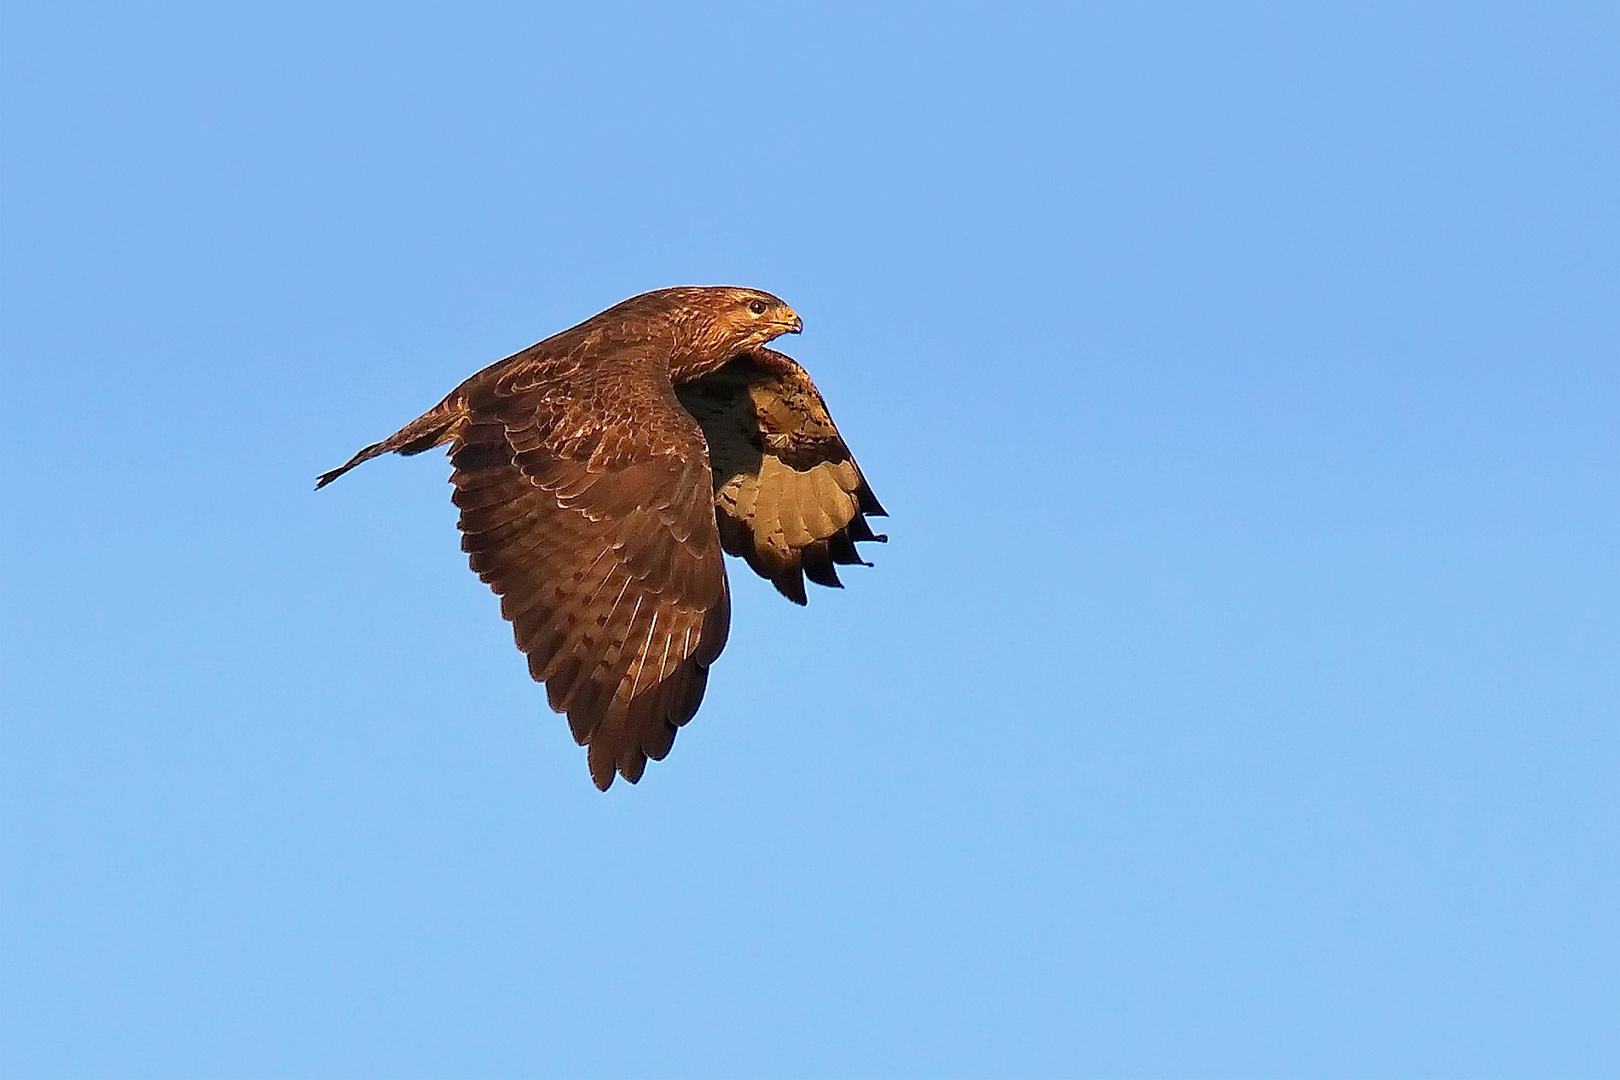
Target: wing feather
{"points": [[597, 532], [789, 496]]}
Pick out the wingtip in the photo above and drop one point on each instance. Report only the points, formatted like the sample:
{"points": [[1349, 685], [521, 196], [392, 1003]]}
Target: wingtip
{"points": [[869, 502], [330, 475], [792, 587]]}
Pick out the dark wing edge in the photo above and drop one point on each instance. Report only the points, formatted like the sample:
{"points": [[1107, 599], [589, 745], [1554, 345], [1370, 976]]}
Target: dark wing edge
{"points": [[789, 497]]}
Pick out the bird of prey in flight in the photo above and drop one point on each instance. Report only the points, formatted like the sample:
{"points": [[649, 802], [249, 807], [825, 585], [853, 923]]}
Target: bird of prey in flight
{"points": [[601, 473]]}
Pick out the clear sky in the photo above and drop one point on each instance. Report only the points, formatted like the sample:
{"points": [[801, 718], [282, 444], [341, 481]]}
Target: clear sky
{"points": [[1239, 694]]}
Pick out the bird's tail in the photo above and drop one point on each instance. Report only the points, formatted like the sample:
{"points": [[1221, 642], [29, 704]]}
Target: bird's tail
{"points": [[435, 427]]}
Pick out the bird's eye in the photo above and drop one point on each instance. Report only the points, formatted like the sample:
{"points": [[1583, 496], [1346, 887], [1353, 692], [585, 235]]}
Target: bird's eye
{"points": [[757, 306]]}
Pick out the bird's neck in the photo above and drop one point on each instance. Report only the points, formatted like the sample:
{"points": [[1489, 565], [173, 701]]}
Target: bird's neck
{"points": [[692, 350], [685, 365]]}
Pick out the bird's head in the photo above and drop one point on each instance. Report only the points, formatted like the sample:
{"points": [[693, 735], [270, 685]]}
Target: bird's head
{"points": [[743, 319], [709, 324], [716, 322]]}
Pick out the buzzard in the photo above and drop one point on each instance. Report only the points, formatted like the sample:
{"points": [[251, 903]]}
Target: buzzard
{"points": [[599, 475]]}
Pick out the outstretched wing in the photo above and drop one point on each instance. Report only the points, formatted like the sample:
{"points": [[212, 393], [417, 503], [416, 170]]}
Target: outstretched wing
{"points": [[789, 497], [586, 504]]}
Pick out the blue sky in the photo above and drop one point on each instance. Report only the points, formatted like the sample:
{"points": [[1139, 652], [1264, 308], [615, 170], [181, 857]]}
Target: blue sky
{"points": [[1237, 696]]}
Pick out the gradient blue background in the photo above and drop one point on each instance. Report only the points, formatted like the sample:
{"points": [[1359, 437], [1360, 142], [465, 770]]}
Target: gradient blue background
{"points": [[1238, 695]]}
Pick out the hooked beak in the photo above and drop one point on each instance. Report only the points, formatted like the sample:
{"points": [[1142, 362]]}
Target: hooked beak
{"points": [[793, 325]]}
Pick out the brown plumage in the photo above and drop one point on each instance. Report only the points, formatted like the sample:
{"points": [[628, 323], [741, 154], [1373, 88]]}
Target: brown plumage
{"points": [[600, 474]]}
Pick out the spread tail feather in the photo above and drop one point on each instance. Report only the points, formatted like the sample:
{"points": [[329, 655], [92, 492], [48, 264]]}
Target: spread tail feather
{"points": [[433, 428]]}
